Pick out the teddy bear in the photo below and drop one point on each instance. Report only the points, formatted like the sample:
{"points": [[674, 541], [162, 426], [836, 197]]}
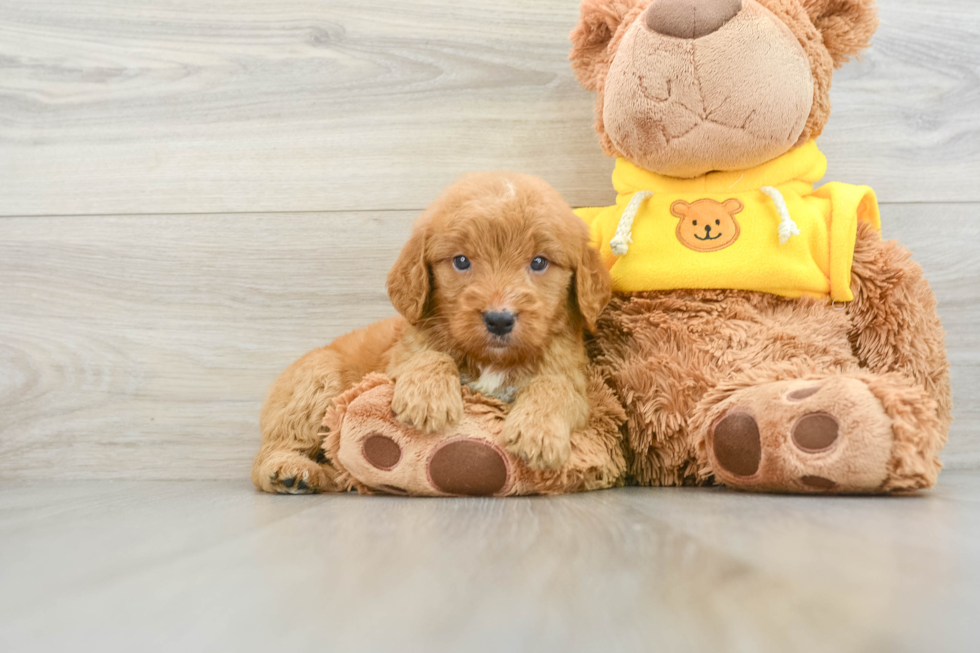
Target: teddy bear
{"points": [[762, 334], [770, 340]]}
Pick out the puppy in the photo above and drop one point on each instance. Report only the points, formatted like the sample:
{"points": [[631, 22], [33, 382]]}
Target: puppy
{"points": [[495, 288]]}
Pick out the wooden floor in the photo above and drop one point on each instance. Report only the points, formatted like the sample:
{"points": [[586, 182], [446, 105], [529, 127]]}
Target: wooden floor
{"points": [[214, 566]]}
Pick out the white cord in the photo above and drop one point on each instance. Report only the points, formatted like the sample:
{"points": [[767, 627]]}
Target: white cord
{"points": [[787, 228], [624, 235]]}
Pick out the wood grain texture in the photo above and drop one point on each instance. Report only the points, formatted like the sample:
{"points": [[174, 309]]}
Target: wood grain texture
{"points": [[140, 347], [168, 106], [215, 566]]}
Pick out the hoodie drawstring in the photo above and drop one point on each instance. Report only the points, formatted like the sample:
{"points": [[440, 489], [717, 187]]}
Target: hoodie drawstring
{"points": [[624, 235], [787, 228], [620, 244]]}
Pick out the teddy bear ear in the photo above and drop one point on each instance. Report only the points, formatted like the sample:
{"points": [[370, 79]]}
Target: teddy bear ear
{"points": [[733, 206], [597, 25], [846, 25], [679, 209]]}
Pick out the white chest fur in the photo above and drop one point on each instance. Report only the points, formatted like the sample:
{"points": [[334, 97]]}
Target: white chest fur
{"points": [[492, 383]]}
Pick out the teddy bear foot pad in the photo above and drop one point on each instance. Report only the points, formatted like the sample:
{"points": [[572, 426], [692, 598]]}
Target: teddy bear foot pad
{"points": [[381, 454], [375, 453], [458, 466], [830, 435]]}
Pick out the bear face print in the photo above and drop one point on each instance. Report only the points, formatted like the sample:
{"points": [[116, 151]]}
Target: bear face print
{"points": [[707, 225]]}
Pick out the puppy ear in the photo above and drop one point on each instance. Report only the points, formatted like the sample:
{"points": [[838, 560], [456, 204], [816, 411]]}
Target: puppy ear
{"points": [[846, 25], [593, 286], [408, 279], [597, 25]]}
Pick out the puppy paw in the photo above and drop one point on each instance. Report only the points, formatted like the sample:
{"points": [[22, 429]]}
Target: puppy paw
{"points": [[292, 473], [428, 403], [543, 440]]}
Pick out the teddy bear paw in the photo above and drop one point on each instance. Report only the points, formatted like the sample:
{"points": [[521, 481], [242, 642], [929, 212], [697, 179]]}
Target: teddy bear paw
{"points": [[385, 455], [829, 435], [457, 466]]}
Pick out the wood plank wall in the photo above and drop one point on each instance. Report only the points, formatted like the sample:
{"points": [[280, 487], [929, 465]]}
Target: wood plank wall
{"points": [[193, 194]]}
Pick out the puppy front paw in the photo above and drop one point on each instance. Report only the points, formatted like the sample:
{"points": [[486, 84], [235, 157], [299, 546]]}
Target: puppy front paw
{"points": [[429, 404], [542, 439]]}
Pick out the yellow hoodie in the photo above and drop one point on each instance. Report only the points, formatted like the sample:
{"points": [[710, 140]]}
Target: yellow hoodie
{"points": [[763, 229]]}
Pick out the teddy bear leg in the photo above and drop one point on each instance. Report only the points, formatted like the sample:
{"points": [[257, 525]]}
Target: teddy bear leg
{"points": [[843, 433], [378, 454], [894, 324]]}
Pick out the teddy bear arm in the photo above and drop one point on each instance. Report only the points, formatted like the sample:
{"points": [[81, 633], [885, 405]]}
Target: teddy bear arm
{"points": [[894, 324]]}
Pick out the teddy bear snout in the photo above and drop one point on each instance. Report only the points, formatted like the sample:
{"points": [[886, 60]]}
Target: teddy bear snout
{"points": [[690, 19]]}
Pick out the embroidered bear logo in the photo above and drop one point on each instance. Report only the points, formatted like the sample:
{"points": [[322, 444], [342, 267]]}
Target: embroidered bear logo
{"points": [[707, 225]]}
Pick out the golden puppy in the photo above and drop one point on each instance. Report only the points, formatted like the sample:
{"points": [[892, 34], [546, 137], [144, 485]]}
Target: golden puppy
{"points": [[495, 287]]}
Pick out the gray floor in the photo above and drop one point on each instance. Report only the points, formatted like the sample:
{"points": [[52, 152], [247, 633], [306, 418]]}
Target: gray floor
{"points": [[211, 566]]}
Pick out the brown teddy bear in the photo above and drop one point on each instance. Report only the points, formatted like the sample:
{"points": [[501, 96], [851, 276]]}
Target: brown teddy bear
{"points": [[762, 334], [771, 340]]}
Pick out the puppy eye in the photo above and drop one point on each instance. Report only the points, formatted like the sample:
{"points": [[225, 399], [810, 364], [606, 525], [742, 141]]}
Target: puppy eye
{"points": [[461, 263], [539, 264], [695, 223], [717, 221]]}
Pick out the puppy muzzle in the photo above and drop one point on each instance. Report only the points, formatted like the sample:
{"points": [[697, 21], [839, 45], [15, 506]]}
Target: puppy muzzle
{"points": [[499, 323]]}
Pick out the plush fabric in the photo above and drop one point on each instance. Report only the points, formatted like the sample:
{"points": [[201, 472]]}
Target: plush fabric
{"points": [[795, 351], [682, 360], [669, 250], [729, 100], [375, 453], [690, 19], [839, 435], [725, 101]]}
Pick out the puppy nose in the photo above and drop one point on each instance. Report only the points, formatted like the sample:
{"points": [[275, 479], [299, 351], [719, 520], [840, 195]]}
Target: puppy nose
{"points": [[690, 19], [707, 228], [499, 323]]}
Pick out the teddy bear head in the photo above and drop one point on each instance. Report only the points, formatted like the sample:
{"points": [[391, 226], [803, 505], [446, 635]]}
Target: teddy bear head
{"points": [[686, 87]]}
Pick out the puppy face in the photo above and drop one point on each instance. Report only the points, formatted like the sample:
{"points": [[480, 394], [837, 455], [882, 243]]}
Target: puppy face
{"points": [[498, 266]]}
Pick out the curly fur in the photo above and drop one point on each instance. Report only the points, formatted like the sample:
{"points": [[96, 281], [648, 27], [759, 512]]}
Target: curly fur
{"points": [[500, 221]]}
